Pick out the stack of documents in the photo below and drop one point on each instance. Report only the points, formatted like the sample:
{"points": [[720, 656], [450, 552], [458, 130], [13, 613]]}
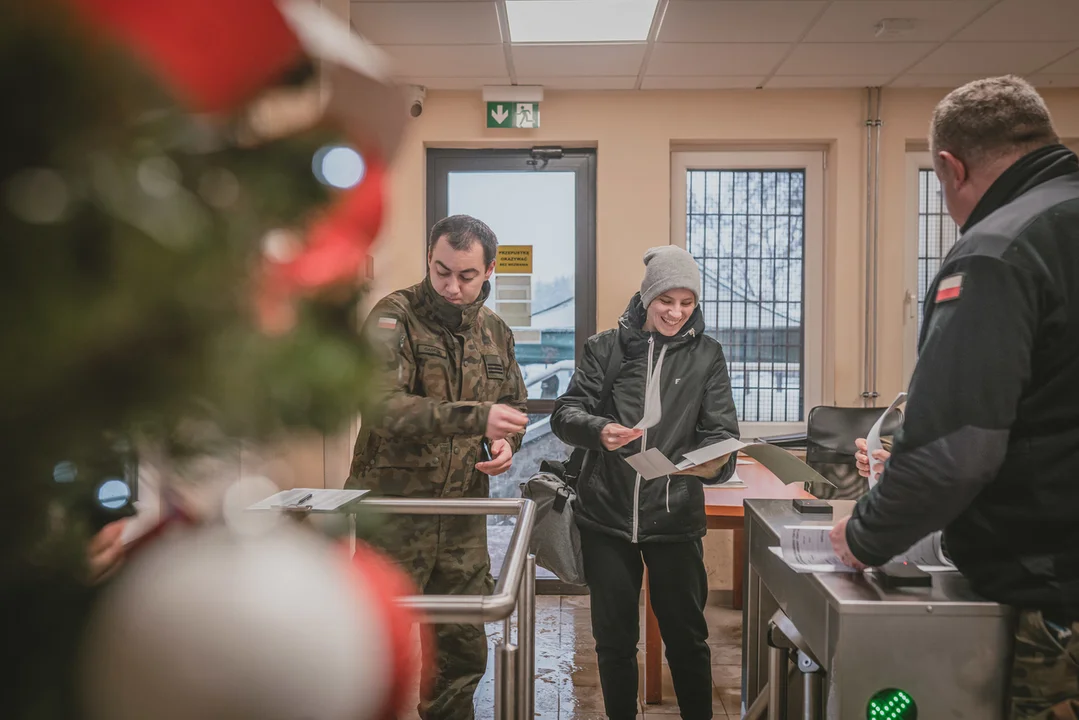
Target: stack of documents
{"points": [[808, 549]]}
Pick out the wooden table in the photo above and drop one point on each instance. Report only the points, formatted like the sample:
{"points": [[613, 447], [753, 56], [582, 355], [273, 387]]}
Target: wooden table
{"points": [[725, 511]]}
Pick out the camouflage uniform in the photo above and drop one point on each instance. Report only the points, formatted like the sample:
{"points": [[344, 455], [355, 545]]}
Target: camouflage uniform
{"points": [[447, 366], [1045, 670]]}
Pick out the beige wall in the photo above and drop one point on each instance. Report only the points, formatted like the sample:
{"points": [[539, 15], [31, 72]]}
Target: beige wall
{"points": [[634, 134]]}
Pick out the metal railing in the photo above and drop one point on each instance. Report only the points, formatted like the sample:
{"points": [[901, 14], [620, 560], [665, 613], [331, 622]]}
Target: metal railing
{"points": [[515, 663]]}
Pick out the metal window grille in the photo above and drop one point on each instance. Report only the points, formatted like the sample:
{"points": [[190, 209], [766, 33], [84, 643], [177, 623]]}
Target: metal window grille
{"points": [[937, 233], [746, 229]]}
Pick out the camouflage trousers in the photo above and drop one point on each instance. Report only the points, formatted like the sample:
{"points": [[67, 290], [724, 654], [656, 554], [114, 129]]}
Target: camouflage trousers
{"points": [[445, 555], [1045, 669]]}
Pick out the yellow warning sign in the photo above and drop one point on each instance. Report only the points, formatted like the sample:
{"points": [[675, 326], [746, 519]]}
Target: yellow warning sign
{"points": [[514, 259]]}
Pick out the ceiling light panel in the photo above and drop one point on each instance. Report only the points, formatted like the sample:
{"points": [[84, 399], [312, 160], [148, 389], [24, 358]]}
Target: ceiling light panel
{"points": [[579, 21]]}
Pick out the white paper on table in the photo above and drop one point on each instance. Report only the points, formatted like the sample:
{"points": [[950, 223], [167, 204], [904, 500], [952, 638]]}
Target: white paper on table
{"points": [[320, 500], [872, 441], [653, 400]]}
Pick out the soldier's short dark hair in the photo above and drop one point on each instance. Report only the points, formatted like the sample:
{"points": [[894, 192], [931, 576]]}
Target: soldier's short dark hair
{"points": [[461, 231], [987, 119]]}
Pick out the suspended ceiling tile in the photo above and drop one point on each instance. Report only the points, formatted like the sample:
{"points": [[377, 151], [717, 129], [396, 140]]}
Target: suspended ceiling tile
{"points": [[447, 60], [1047, 80], [989, 59], [456, 83], [856, 20], [823, 59], [947, 80], [827, 81], [581, 83], [578, 60], [722, 82], [1067, 65], [739, 21], [1026, 21], [715, 59], [427, 23]]}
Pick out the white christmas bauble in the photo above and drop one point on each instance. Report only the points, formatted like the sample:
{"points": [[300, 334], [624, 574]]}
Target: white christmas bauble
{"points": [[210, 624]]}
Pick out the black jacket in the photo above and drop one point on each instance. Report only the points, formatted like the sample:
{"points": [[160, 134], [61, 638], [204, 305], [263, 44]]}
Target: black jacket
{"points": [[698, 410], [989, 448]]}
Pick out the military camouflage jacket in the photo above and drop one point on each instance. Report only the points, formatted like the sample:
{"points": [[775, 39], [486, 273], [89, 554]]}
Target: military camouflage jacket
{"points": [[446, 366]]}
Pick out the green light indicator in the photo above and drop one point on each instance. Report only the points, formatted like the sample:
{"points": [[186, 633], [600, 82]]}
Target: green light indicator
{"points": [[891, 704]]}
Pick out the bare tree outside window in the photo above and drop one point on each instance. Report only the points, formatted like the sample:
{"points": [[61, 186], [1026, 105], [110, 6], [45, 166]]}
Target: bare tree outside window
{"points": [[746, 229]]}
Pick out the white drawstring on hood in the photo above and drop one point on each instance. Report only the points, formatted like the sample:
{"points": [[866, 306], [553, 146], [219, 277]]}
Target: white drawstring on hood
{"points": [[653, 401]]}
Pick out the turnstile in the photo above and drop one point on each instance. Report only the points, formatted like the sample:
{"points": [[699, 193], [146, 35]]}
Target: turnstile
{"points": [[829, 644]]}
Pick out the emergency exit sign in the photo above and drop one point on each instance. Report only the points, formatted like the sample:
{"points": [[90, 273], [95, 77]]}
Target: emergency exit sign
{"points": [[524, 115]]}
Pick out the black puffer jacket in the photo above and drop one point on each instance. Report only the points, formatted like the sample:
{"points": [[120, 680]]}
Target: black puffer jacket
{"points": [[698, 410]]}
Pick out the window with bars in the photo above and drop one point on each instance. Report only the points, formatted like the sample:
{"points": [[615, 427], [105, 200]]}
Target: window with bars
{"points": [[937, 233], [746, 229]]}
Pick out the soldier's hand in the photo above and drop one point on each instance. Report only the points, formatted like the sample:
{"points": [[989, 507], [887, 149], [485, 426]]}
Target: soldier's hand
{"points": [[861, 458], [614, 436], [504, 421], [501, 460], [838, 536]]}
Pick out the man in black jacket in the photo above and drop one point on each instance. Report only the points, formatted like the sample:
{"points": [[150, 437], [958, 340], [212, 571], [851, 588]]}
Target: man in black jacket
{"points": [[989, 449]]}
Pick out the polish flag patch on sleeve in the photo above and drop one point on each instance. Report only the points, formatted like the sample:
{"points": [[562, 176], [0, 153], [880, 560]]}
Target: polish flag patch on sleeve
{"points": [[949, 288], [387, 323]]}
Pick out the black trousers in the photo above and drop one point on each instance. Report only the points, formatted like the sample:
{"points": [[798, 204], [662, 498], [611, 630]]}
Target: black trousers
{"points": [[679, 589]]}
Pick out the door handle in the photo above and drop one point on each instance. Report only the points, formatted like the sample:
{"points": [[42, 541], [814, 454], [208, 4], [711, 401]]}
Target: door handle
{"points": [[911, 301]]}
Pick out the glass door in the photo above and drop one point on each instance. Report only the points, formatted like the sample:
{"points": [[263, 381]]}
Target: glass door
{"points": [[542, 208]]}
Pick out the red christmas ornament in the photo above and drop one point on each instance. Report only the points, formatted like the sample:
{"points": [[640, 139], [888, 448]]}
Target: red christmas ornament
{"points": [[215, 55]]}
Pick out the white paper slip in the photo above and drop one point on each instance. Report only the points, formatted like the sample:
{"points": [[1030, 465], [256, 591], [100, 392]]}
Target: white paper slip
{"points": [[652, 464], [872, 440], [653, 400], [802, 568], [316, 500]]}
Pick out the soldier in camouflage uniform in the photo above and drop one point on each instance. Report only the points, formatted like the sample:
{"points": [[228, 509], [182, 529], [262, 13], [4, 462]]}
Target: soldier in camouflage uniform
{"points": [[452, 380]]}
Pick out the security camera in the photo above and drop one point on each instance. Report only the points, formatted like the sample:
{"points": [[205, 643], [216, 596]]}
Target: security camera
{"points": [[416, 95]]}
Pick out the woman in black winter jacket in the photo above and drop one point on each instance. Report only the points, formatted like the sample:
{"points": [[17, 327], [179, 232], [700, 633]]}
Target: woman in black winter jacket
{"points": [[627, 522]]}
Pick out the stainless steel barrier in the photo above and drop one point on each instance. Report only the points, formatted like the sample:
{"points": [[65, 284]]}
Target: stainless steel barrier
{"points": [[515, 663]]}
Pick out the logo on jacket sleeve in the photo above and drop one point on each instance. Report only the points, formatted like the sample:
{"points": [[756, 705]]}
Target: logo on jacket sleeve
{"points": [[949, 288], [387, 323]]}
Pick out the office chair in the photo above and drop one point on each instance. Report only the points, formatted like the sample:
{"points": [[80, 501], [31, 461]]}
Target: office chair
{"points": [[830, 436]]}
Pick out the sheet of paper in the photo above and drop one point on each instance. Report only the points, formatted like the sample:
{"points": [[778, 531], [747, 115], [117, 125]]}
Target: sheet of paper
{"points": [[809, 545], [927, 552], [801, 568], [652, 464], [312, 499], [653, 400], [872, 440], [783, 464]]}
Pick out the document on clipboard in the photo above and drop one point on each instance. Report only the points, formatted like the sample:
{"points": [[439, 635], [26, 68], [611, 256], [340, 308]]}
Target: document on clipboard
{"points": [[652, 463], [315, 500]]}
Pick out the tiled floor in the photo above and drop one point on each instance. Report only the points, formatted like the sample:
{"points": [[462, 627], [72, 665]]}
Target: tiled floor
{"points": [[567, 679]]}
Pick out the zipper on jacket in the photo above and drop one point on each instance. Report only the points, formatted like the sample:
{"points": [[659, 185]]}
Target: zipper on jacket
{"points": [[644, 446]]}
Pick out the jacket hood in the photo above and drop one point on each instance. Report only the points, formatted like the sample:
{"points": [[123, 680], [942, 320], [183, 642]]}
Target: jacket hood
{"points": [[631, 324]]}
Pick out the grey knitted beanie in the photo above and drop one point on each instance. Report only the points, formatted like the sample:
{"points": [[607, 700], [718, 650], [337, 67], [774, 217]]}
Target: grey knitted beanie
{"points": [[668, 267]]}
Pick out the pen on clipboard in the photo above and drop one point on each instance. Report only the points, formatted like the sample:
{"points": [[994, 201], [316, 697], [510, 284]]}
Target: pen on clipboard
{"points": [[304, 499]]}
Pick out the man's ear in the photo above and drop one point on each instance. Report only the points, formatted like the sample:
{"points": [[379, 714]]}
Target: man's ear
{"points": [[954, 168], [490, 271]]}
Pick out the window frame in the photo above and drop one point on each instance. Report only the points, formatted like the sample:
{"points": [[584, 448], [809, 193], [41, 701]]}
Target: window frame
{"points": [[812, 162], [441, 162], [916, 162]]}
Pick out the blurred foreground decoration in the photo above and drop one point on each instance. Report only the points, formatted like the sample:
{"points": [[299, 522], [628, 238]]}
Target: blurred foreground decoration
{"points": [[186, 204]]}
